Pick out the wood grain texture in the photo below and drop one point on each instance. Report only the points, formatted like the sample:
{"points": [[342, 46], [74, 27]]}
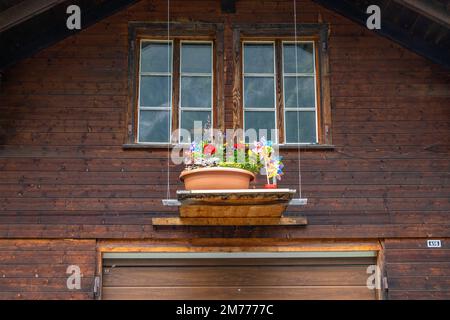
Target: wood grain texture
{"points": [[237, 94], [235, 279], [37, 269], [64, 121], [175, 88], [219, 59], [239, 293], [64, 173], [279, 90], [234, 221], [236, 244], [415, 271]]}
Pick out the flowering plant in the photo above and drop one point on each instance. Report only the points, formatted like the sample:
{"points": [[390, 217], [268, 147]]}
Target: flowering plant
{"points": [[272, 164], [251, 157], [205, 154]]}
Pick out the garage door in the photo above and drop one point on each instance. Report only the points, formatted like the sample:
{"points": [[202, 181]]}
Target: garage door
{"points": [[258, 276]]}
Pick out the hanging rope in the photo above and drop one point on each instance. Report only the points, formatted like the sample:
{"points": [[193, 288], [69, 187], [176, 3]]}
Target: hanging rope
{"points": [[297, 101], [296, 94], [169, 95]]}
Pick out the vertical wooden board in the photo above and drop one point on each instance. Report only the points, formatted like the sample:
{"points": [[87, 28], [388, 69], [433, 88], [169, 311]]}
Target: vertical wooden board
{"points": [[237, 81], [131, 114], [176, 87], [279, 90], [219, 122], [324, 92]]}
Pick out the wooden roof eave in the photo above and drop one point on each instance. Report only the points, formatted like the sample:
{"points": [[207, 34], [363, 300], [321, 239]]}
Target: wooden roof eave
{"points": [[43, 23], [392, 31]]}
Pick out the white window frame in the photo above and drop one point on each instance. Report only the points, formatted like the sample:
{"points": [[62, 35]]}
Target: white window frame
{"points": [[314, 74], [188, 74], [262, 75], [169, 108]]}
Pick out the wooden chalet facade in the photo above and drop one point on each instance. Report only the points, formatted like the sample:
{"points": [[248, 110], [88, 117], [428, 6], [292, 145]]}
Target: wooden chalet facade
{"points": [[78, 189]]}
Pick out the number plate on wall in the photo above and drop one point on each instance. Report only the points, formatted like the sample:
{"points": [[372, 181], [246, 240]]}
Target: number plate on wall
{"points": [[434, 243]]}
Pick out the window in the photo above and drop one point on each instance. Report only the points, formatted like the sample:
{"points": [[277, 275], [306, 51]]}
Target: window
{"points": [[283, 83], [270, 83], [259, 89], [196, 92], [298, 74], [155, 91], [299, 94], [155, 88]]}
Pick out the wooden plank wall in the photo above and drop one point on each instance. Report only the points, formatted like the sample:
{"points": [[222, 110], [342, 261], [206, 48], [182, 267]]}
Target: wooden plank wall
{"points": [[417, 272], [36, 269], [64, 172]]}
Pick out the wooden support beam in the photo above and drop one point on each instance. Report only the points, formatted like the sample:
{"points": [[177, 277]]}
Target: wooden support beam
{"points": [[220, 222], [430, 9]]}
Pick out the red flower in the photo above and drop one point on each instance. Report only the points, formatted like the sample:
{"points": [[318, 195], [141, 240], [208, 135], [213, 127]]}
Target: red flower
{"points": [[209, 149], [239, 146]]}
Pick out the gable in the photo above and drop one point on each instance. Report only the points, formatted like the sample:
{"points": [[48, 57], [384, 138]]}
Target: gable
{"points": [[27, 27]]}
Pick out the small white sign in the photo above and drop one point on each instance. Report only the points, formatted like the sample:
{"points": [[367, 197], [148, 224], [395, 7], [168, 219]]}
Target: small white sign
{"points": [[434, 243]]}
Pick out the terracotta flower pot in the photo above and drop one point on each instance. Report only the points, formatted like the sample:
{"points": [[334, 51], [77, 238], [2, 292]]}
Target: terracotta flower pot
{"points": [[216, 178], [270, 186]]}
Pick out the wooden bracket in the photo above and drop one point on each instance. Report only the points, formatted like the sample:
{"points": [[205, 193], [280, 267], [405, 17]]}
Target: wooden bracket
{"points": [[220, 221]]}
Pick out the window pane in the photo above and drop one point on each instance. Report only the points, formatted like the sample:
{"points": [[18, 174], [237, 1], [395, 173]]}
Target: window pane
{"points": [[306, 92], [259, 92], [305, 58], [196, 92], [196, 58], [154, 126], [306, 120], [188, 118], [155, 57], [258, 58], [260, 120], [155, 91]]}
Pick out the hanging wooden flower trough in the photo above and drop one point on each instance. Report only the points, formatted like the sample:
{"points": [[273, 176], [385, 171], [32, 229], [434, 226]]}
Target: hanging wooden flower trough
{"points": [[217, 191], [239, 207]]}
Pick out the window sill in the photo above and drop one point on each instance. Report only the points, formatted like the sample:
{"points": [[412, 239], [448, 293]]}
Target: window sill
{"points": [[131, 146], [318, 147]]}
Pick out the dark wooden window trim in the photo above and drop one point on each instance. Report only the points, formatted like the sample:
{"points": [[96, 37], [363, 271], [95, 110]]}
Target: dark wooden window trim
{"points": [[178, 31], [279, 32]]}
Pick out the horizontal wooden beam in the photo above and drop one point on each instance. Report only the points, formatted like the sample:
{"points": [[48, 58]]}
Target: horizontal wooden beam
{"points": [[240, 255], [231, 244], [175, 221]]}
